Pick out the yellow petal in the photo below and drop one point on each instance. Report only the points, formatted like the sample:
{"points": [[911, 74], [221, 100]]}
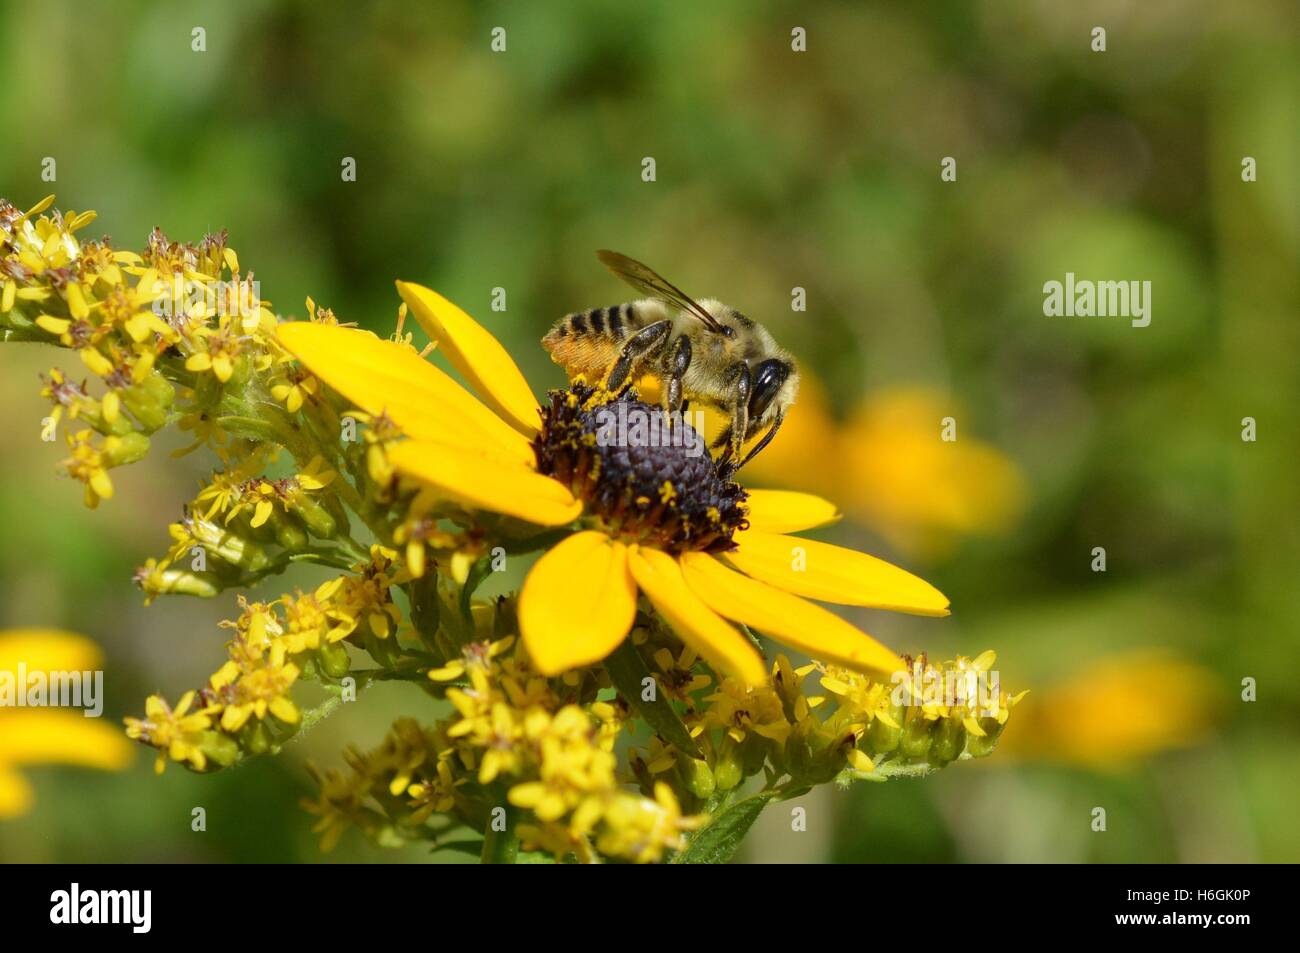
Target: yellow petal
{"points": [[47, 650], [833, 574], [284, 709], [484, 482], [415, 558], [39, 207], [96, 362], [473, 351], [859, 760], [381, 376], [112, 406], [59, 736], [76, 301], [785, 511], [52, 324], [102, 485], [577, 603], [660, 578], [786, 618], [261, 513]]}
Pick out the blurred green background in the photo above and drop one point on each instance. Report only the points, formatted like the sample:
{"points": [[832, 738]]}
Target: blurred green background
{"points": [[775, 169]]}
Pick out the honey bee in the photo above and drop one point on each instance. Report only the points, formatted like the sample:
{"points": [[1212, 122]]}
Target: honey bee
{"points": [[702, 351]]}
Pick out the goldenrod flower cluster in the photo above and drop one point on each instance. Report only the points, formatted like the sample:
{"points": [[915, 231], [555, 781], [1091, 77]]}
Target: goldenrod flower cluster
{"points": [[619, 705]]}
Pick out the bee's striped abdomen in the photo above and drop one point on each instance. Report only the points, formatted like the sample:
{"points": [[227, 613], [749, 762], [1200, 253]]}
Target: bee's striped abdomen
{"points": [[588, 342], [613, 323]]}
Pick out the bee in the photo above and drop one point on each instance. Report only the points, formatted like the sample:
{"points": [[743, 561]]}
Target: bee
{"points": [[703, 351]]}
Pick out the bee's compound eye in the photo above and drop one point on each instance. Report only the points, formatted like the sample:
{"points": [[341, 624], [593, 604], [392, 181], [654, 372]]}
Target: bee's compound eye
{"points": [[728, 331], [767, 380]]}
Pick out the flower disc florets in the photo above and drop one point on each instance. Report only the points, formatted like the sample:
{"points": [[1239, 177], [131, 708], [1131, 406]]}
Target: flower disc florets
{"points": [[646, 479]]}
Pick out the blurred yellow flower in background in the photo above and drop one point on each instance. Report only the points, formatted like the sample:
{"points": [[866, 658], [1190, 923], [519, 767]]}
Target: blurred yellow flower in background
{"points": [[892, 470], [30, 736], [1117, 711]]}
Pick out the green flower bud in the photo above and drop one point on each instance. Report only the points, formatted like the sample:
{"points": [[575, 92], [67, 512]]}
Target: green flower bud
{"points": [[978, 747], [157, 581], [697, 776], [728, 771], [384, 651], [241, 371], [219, 748], [288, 532], [158, 389], [229, 547], [949, 740], [333, 658], [145, 406], [917, 735], [128, 448], [883, 738], [317, 519], [256, 737]]}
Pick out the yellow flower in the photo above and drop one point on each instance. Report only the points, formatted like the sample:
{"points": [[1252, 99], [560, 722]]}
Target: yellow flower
{"points": [[316, 618], [366, 595], [492, 726], [32, 736], [221, 348], [728, 558], [341, 803], [69, 396], [1118, 710], [474, 655], [294, 390], [176, 732], [437, 795], [574, 770], [641, 829], [89, 464], [677, 674], [292, 494], [256, 688], [225, 487], [918, 489], [897, 474], [738, 709]]}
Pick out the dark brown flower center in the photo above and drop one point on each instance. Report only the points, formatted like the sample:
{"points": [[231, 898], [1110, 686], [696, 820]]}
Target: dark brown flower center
{"points": [[644, 476]]}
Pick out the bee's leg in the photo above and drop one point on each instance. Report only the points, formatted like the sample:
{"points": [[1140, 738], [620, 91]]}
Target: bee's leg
{"points": [[679, 359], [767, 438], [733, 438], [638, 349]]}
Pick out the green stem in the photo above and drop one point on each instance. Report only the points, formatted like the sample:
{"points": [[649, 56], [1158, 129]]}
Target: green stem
{"points": [[501, 847]]}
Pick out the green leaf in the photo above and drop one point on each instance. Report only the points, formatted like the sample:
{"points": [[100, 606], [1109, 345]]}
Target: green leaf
{"points": [[474, 848], [715, 842], [627, 670], [533, 857]]}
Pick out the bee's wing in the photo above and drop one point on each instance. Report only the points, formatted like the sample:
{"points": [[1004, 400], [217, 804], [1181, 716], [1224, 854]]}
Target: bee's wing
{"points": [[646, 280]]}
